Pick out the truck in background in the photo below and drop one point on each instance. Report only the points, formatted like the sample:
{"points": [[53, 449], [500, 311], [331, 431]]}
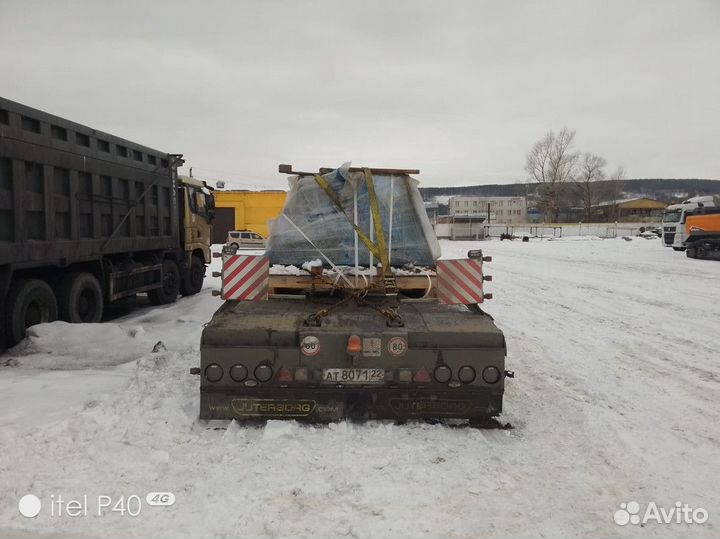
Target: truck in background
{"points": [[87, 218], [703, 236], [674, 216]]}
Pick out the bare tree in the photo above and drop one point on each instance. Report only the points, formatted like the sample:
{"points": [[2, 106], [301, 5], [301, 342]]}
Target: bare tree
{"points": [[590, 171], [551, 164]]}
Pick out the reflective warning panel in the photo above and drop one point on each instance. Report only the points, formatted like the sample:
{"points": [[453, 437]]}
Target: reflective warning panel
{"points": [[459, 282], [245, 277]]}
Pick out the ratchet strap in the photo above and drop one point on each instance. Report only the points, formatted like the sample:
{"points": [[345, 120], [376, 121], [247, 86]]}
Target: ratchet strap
{"points": [[378, 248]]}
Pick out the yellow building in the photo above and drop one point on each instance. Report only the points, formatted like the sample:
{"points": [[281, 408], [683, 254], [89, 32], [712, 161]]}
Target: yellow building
{"points": [[246, 210], [634, 209]]}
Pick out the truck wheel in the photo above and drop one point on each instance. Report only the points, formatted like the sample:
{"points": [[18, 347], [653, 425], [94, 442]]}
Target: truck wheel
{"points": [[80, 298], [30, 302], [170, 288], [192, 280], [691, 252]]}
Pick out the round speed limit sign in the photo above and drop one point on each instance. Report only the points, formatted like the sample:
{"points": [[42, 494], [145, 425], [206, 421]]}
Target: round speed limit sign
{"points": [[397, 346], [310, 345]]}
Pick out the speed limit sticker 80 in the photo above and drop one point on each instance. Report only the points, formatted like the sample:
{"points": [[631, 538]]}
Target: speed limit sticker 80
{"points": [[397, 346], [310, 345]]}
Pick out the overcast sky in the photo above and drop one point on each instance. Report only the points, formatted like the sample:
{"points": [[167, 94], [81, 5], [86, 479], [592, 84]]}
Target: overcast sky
{"points": [[460, 90]]}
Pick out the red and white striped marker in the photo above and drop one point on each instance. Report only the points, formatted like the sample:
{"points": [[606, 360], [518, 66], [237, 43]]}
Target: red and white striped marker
{"points": [[460, 282], [245, 277]]}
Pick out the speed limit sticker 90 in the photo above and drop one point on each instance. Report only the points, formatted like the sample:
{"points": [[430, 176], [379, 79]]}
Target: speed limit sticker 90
{"points": [[397, 346], [310, 345]]}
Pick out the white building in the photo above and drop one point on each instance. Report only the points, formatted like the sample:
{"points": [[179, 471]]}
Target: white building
{"points": [[501, 209]]}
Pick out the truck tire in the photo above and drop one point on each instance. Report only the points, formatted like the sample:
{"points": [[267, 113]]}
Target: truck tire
{"points": [[170, 288], [30, 302], [80, 298], [691, 252], [192, 279]]}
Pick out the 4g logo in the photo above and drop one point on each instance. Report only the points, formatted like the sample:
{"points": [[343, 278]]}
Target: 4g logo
{"points": [[160, 498]]}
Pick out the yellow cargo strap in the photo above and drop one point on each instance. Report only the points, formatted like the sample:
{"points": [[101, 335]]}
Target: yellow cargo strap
{"points": [[377, 221], [378, 248]]}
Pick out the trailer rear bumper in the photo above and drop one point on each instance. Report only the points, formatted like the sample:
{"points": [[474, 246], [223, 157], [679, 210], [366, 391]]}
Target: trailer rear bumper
{"points": [[318, 404]]}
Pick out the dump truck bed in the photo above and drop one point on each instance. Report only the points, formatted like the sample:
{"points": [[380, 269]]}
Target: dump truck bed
{"points": [[66, 192]]}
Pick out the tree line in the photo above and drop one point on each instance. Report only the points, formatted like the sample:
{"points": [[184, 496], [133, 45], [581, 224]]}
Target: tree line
{"points": [[566, 178]]}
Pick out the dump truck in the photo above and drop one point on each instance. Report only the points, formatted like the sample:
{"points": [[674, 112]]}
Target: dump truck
{"points": [[87, 219], [703, 236], [351, 313]]}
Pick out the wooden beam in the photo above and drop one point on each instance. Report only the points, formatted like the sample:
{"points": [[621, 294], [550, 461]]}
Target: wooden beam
{"points": [[301, 282], [287, 169], [380, 171]]}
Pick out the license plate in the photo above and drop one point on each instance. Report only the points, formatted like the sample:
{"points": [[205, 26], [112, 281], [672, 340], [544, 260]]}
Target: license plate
{"points": [[353, 376]]}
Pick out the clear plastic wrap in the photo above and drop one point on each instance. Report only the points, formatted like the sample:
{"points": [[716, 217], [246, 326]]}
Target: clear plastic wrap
{"points": [[311, 225]]}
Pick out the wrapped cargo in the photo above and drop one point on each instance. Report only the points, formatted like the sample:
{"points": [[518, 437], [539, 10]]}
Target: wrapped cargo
{"points": [[311, 222]]}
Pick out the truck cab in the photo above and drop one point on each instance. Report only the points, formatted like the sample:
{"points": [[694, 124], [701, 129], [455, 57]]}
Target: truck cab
{"points": [[199, 211], [675, 216]]}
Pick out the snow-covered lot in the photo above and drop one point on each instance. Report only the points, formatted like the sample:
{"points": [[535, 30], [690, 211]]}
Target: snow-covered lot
{"points": [[615, 349]]}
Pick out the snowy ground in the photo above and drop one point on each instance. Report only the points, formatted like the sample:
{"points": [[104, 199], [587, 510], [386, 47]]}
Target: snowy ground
{"points": [[615, 399]]}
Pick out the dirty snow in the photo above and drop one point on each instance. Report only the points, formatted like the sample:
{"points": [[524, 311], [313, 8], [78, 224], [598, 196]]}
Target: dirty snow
{"points": [[614, 345]]}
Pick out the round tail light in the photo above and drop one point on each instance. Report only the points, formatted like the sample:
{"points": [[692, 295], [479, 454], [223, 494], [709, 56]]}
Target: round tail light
{"points": [[263, 373], [491, 375], [466, 374], [213, 372], [238, 372], [443, 374]]}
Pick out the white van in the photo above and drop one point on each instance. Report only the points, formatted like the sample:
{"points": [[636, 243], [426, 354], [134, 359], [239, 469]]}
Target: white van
{"points": [[245, 239]]}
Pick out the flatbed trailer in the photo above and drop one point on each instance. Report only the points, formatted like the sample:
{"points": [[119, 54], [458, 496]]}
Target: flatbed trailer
{"points": [[381, 341], [262, 360]]}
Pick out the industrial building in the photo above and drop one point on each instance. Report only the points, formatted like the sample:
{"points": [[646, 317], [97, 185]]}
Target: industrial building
{"points": [[495, 209], [635, 209], [246, 210]]}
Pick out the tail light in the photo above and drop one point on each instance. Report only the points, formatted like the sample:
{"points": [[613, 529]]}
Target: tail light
{"points": [[301, 374], [422, 376], [405, 375], [491, 375], [213, 372], [238, 372], [466, 374], [443, 374], [284, 376], [354, 345], [263, 373]]}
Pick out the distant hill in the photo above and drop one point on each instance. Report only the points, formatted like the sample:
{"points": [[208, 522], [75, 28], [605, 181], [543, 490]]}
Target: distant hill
{"points": [[667, 190]]}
